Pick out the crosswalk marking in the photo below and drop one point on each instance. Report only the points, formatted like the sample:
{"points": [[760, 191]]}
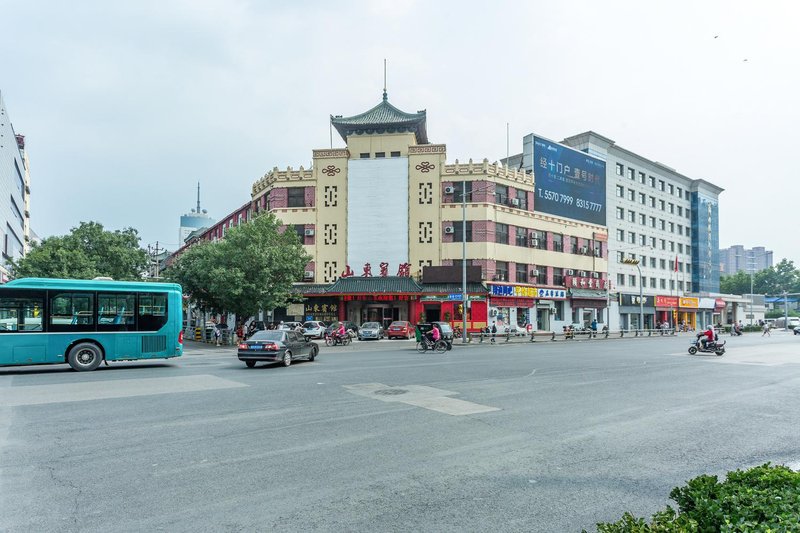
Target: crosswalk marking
{"points": [[116, 388]]}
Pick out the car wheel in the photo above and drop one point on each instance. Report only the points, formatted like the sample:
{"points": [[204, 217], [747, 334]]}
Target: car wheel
{"points": [[250, 364], [692, 350], [287, 358], [84, 357], [313, 354]]}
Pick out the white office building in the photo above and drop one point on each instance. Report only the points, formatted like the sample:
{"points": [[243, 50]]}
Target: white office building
{"points": [[14, 194], [667, 222]]}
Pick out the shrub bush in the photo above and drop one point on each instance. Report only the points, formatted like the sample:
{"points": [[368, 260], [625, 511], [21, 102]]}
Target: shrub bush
{"points": [[762, 499]]}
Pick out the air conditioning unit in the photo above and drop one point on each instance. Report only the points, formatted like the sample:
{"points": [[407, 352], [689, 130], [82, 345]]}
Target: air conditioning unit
{"points": [[595, 275], [309, 233], [598, 252], [583, 274], [584, 250], [515, 202], [570, 272], [534, 242], [534, 273], [449, 190], [308, 274], [449, 229]]}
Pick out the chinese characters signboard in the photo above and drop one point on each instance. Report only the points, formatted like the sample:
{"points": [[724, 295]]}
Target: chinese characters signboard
{"points": [[529, 292], [569, 183]]}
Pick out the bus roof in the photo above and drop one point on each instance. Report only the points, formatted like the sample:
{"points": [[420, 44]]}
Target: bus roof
{"points": [[92, 285]]}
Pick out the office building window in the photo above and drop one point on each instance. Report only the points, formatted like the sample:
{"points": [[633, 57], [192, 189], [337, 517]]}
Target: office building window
{"points": [[538, 240], [642, 198], [395, 154], [620, 235], [631, 280], [671, 246], [661, 185], [620, 169], [663, 244], [501, 194], [642, 178], [620, 191], [620, 256], [652, 242], [672, 284], [672, 227], [573, 245], [652, 283], [662, 224], [662, 263], [680, 211], [296, 196], [652, 201], [688, 286], [661, 205], [652, 182], [620, 213], [364, 155], [632, 237], [632, 216], [672, 208], [558, 276], [631, 195], [522, 273], [457, 233], [521, 236], [679, 192], [652, 222], [501, 233], [663, 283], [642, 240], [501, 271], [380, 154], [558, 242], [643, 219], [621, 280], [631, 173], [652, 262], [671, 189], [460, 187]]}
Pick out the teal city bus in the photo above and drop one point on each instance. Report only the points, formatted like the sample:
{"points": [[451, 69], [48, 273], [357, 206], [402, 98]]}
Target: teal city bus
{"points": [[86, 322]]}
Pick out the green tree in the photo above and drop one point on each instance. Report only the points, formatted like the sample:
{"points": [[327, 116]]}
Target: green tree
{"points": [[86, 252], [772, 281], [738, 283], [252, 268]]}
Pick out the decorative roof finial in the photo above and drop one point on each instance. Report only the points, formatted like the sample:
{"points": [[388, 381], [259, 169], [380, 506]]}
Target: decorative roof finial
{"points": [[385, 97]]}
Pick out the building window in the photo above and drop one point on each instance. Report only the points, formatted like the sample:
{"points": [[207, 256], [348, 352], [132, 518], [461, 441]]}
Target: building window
{"points": [[642, 240], [644, 281], [462, 187], [573, 245], [364, 155], [672, 284], [652, 222], [620, 235], [663, 283], [520, 236], [620, 169], [662, 205], [680, 211], [501, 271], [380, 154], [538, 240], [522, 199], [621, 280], [652, 201], [620, 213], [679, 192], [652, 182], [672, 208], [522, 273], [680, 229], [688, 213], [643, 219], [671, 246], [631, 195], [663, 244], [661, 185], [501, 233], [620, 256], [395, 154], [620, 191], [642, 198], [688, 250], [631, 174], [671, 189], [662, 224], [632, 216], [501, 194], [558, 276], [300, 230], [688, 286], [653, 263], [642, 178], [653, 242], [672, 227], [558, 242], [458, 234], [296, 196], [17, 213], [632, 237], [20, 182]]}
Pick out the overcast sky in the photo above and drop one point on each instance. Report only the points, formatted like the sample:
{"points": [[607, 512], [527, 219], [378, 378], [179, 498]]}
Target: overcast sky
{"points": [[127, 105]]}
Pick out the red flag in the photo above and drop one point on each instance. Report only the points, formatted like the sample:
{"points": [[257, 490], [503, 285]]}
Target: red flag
{"points": [[676, 263]]}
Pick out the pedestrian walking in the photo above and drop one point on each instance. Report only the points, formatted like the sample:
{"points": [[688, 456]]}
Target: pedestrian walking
{"points": [[765, 330], [217, 334], [494, 331]]}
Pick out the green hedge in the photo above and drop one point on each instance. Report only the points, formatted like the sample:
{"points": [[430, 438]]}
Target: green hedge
{"points": [[762, 499]]}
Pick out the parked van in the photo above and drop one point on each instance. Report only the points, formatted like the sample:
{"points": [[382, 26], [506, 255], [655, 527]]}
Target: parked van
{"points": [[781, 322]]}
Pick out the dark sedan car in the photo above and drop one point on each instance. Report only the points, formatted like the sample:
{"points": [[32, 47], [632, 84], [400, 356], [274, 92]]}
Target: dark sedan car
{"points": [[276, 346]]}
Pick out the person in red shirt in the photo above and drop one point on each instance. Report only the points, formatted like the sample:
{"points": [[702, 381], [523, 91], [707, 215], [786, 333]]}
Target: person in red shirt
{"points": [[434, 334], [708, 336]]}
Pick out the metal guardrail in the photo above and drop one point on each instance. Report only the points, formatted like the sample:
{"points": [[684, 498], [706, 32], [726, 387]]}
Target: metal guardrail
{"points": [[538, 336]]}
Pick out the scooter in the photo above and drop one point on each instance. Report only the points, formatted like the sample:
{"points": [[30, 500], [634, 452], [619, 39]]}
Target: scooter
{"points": [[717, 347]]}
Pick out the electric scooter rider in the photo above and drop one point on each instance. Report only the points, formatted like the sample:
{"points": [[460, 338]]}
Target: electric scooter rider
{"points": [[706, 337]]}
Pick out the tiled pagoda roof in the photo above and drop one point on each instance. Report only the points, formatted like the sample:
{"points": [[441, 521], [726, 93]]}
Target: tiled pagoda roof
{"points": [[383, 118]]}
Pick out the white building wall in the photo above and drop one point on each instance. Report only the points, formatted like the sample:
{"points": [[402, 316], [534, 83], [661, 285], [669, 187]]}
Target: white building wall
{"points": [[12, 196]]}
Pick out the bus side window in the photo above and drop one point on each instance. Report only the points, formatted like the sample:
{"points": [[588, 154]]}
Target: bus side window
{"points": [[21, 313], [71, 309], [152, 311]]}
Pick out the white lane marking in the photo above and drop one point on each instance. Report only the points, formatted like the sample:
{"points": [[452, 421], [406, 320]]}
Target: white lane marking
{"points": [[419, 396], [117, 388]]}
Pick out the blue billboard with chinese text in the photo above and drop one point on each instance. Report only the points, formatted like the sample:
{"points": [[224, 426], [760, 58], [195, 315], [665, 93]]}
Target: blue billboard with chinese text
{"points": [[568, 183]]}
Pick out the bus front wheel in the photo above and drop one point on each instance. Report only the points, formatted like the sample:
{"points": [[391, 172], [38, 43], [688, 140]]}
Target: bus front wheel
{"points": [[84, 356]]}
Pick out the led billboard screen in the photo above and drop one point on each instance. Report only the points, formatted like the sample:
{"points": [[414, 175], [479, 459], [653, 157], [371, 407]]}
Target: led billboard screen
{"points": [[569, 183]]}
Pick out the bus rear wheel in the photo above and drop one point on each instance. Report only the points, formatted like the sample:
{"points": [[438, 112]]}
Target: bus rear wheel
{"points": [[84, 357]]}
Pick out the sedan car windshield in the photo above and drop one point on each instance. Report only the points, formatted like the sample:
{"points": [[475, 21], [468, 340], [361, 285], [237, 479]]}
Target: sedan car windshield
{"points": [[269, 335], [370, 325]]}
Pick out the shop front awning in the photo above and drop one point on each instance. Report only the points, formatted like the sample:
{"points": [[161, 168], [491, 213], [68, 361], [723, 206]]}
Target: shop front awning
{"points": [[375, 285]]}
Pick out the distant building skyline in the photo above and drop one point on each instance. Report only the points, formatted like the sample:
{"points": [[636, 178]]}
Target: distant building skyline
{"points": [[737, 258], [196, 219]]}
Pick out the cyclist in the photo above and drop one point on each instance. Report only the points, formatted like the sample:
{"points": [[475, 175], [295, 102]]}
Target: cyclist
{"points": [[434, 335]]}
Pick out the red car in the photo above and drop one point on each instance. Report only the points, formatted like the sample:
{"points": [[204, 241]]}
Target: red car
{"points": [[400, 329]]}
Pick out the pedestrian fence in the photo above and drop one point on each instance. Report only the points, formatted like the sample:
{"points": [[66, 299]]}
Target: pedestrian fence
{"points": [[539, 336]]}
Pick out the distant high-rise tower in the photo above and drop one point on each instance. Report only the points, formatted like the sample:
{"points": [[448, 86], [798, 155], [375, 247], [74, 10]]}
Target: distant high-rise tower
{"points": [[194, 220], [737, 258]]}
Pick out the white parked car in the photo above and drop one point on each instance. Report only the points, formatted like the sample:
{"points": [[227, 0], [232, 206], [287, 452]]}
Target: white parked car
{"points": [[314, 329]]}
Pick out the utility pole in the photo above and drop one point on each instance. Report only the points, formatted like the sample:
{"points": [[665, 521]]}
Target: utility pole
{"points": [[153, 252]]}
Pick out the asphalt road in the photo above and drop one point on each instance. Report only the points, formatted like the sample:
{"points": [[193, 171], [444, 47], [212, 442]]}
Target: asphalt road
{"points": [[372, 437]]}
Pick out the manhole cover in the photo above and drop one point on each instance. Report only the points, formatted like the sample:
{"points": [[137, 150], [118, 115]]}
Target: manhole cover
{"points": [[391, 392]]}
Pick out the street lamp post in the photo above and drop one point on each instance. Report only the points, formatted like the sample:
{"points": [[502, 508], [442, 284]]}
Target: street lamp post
{"points": [[635, 262]]}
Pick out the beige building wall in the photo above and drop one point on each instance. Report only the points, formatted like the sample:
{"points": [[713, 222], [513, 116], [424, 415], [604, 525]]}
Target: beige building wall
{"points": [[330, 250], [425, 164]]}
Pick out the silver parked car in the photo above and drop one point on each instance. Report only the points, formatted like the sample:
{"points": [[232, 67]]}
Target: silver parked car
{"points": [[371, 330]]}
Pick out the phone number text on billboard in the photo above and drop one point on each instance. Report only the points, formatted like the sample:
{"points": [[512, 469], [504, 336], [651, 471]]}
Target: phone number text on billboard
{"points": [[569, 200]]}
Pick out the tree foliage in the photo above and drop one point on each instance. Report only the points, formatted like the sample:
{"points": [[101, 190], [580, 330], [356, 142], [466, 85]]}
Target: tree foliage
{"points": [[771, 281], [252, 268], [86, 252]]}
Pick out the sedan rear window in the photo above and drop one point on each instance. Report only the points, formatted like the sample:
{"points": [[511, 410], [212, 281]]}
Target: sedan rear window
{"points": [[269, 335]]}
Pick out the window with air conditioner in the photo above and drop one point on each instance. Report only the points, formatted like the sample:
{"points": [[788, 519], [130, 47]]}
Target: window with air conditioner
{"points": [[449, 190], [449, 229]]}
